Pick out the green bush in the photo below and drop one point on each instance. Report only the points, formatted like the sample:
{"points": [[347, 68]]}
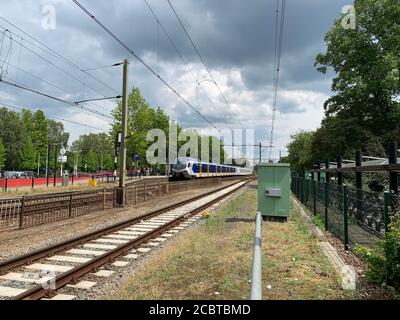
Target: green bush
{"points": [[384, 262]]}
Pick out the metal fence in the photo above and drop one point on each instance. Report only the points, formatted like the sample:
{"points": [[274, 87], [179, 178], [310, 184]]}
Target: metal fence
{"points": [[354, 215], [33, 210]]}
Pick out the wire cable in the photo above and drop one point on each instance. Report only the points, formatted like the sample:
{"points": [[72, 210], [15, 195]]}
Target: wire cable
{"points": [[277, 65], [58, 55], [143, 63], [57, 99], [53, 117], [202, 60], [178, 51]]}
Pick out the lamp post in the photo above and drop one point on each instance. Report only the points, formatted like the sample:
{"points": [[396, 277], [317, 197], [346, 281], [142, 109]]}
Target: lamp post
{"points": [[76, 162]]}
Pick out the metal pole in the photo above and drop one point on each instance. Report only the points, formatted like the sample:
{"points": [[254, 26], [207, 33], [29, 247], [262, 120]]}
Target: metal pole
{"points": [[345, 219], [55, 165], [38, 164], [124, 127], [358, 186], [260, 152], [394, 187], [47, 165], [256, 282], [326, 205], [386, 204], [339, 174]]}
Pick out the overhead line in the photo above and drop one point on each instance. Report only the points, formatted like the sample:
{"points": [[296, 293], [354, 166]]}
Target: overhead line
{"points": [[53, 117], [56, 99], [142, 62], [56, 66], [177, 51], [41, 79], [202, 60], [277, 64], [57, 55]]}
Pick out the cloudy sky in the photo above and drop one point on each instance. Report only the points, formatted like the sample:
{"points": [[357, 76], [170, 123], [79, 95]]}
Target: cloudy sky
{"points": [[235, 38]]}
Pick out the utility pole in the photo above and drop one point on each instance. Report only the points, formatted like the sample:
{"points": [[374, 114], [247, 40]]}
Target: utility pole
{"points": [[47, 164], [55, 165], [124, 125], [260, 151]]}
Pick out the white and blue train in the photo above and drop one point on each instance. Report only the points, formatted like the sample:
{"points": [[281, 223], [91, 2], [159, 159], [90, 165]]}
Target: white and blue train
{"points": [[189, 168]]}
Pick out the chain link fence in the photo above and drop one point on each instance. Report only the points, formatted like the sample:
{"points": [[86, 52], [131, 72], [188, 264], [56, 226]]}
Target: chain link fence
{"points": [[356, 216]]}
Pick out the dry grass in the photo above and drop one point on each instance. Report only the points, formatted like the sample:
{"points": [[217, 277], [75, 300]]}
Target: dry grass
{"points": [[213, 261]]}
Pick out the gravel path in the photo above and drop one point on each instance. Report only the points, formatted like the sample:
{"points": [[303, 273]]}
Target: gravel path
{"points": [[17, 242], [105, 286]]}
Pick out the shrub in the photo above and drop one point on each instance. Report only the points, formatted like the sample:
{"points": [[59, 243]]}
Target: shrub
{"points": [[384, 262]]}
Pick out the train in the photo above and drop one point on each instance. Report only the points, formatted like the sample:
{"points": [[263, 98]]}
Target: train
{"points": [[189, 168]]}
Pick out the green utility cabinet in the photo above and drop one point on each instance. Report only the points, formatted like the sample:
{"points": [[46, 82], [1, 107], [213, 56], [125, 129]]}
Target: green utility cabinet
{"points": [[274, 189]]}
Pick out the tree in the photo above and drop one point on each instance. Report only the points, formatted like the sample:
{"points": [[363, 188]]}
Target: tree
{"points": [[300, 152], [2, 155], [29, 155], [101, 143], [39, 135], [367, 63], [91, 161], [142, 118], [13, 134]]}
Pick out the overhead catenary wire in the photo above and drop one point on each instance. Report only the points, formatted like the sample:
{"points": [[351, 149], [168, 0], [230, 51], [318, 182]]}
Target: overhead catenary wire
{"points": [[56, 99], [6, 62], [58, 55], [58, 67], [177, 50], [41, 80], [280, 22], [203, 61], [54, 117], [143, 63]]}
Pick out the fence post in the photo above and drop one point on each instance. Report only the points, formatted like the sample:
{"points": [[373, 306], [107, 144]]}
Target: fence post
{"points": [[33, 183], [70, 205], [345, 219], [314, 197], [386, 203], [326, 205], [6, 185], [136, 194], [21, 213], [305, 190], [104, 198]]}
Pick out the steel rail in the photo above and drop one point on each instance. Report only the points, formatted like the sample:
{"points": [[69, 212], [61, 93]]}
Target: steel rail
{"points": [[43, 252], [256, 281], [63, 279]]}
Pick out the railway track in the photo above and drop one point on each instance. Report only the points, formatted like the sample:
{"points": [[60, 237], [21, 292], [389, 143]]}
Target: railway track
{"points": [[41, 273]]}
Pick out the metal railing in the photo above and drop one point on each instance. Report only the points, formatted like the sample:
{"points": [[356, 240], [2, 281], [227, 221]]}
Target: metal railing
{"points": [[354, 215], [256, 281], [32, 210]]}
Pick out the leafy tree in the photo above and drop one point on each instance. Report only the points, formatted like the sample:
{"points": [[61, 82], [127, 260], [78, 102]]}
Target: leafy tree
{"points": [[29, 155], [300, 152], [2, 155], [39, 135], [91, 161], [13, 134], [367, 63], [142, 118], [101, 143]]}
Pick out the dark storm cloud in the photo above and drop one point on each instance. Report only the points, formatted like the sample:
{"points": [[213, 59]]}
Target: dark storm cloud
{"points": [[230, 34]]}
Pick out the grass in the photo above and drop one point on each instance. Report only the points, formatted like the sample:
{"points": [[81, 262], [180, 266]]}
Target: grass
{"points": [[214, 260]]}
